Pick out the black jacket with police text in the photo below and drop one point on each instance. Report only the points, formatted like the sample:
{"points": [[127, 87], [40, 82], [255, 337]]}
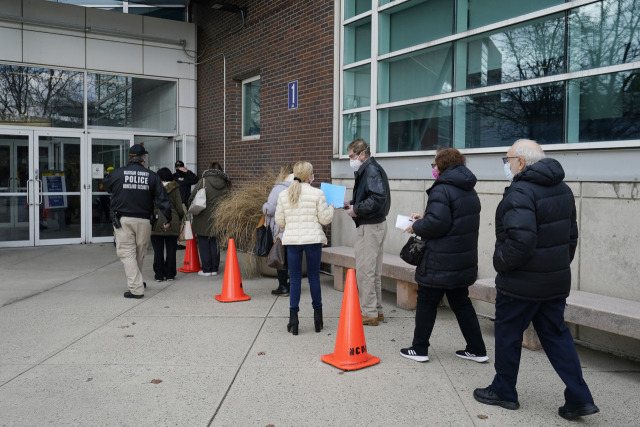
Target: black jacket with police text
{"points": [[371, 194], [134, 189], [450, 227], [536, 234]]}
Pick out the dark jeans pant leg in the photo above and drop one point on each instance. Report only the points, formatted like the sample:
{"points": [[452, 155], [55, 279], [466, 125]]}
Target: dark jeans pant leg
{"points": [[171, 245], [314, 255], [467, 320], [158, 256], [558, 344], [283, 276], [426, 312], [512, 318], [209, 256], [294, 260]]}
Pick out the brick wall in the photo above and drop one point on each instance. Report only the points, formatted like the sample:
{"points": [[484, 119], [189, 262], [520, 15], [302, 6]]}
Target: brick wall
{"points": [[282, 41]]}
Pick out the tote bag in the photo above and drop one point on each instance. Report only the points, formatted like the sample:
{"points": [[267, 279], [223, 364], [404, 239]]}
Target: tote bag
{"points": [[277, 257], [264, 239], [186, 233], [199, 202]]}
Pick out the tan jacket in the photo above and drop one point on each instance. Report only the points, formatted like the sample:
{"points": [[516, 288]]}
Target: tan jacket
{"points": [[303, 223]]}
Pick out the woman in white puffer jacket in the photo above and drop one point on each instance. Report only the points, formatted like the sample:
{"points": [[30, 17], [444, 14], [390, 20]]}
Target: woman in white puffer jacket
{"points": [[302, 211]]}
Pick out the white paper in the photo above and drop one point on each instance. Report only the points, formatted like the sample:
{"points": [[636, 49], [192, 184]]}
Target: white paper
{"points": [[403, 222], [97, 171]]}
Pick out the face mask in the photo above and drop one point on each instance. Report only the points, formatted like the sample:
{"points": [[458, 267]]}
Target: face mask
{"points": [[311, 180], [434, 172], [507, 171], [355, 164]]}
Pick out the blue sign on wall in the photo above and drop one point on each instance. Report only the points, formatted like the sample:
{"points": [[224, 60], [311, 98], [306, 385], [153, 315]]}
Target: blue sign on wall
{"points": [[293, 94]]}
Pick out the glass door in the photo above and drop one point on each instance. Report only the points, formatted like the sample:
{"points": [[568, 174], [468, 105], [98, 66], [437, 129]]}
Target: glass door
{"points": [[58, 188], [16, 187], [106, 153]]}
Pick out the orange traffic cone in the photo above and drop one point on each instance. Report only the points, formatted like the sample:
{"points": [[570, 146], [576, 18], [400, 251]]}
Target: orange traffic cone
{"points": [[191, 260], [350, 352], [232, 282]]}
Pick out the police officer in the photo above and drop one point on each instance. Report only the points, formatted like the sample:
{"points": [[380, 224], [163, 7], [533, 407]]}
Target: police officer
{"points": [[134, 190]]}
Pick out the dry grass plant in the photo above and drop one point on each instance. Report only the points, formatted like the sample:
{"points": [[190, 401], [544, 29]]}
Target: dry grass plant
{"points": [[236, 217]]}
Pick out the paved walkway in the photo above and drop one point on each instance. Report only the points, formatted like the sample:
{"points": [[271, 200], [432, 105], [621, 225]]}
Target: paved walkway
{"points": [[74, 352]]}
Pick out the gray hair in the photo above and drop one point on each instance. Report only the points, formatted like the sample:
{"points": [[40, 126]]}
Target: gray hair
{"points": [[529, 150], [136, 159]]}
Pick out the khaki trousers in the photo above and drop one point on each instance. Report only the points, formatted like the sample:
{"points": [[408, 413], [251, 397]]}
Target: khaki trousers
{"points": [[369, 246], [132, 241]]}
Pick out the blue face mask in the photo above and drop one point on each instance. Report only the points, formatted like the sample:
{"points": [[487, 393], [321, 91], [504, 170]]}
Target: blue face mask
{"points": [[507, 171]]}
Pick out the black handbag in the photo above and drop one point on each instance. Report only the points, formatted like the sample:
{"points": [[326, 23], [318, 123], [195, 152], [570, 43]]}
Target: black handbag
{"points": [[264, 239], [277, 257], [413, 250]]}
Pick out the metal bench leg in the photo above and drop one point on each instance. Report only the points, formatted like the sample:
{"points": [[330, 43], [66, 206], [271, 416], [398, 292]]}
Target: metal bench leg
{"points": [[406, 295], [530, 339], [338, 278]]}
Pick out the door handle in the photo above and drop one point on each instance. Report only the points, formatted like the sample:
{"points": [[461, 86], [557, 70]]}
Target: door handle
{"points": [[29, 192], [41, 197]]}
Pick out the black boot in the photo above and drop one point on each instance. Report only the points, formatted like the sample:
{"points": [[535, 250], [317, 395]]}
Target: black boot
{"points": [[283, 290], [293, 322], [317, 319]]}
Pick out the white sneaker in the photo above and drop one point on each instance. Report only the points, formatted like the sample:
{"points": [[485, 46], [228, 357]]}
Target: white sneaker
{"points": [[202, 273], [466, 355], [214, 273]]}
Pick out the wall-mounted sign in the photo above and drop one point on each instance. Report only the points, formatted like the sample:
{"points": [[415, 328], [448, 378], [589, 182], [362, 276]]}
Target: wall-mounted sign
{"points": [[293, 94]]}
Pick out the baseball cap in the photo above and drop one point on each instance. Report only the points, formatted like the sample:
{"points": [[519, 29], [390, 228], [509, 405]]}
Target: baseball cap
{"points": [[137, 150], [179, 164]]}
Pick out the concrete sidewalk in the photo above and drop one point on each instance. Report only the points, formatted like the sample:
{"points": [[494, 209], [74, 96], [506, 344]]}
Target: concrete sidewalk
{"points": [[74, 352]]}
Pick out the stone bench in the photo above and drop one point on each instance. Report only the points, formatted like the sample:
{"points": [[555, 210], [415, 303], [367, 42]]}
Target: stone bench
{"points": [[604, 313]]}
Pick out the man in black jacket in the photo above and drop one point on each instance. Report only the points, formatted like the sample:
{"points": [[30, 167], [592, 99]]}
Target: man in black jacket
{"points": [[536, 239], [185, 178], [369, 209], [134, 190]]}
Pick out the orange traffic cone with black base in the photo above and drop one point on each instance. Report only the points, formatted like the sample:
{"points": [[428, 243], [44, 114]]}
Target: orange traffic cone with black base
{"points": [[350, 352], [191, 260], [232, 282]]}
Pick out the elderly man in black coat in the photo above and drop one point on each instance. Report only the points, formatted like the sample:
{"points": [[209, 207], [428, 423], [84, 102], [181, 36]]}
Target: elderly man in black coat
{"points": [[450, 263], [536, 239]]}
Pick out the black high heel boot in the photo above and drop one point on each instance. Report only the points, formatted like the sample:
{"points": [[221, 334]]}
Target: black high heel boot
{"points": [[293, 322], [317, 319]]}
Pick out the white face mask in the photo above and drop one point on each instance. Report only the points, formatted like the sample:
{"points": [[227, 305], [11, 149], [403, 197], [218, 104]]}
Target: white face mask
{"points": [[355, 164], [507, 171], [311, 180]]}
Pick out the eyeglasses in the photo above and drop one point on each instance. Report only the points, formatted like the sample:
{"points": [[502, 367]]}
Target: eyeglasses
{"points": [[354, 155], [505, 160], [433, 165]]}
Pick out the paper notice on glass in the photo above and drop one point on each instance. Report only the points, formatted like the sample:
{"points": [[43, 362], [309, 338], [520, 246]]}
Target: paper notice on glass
{"points": [[334, 194], [403, 222]]}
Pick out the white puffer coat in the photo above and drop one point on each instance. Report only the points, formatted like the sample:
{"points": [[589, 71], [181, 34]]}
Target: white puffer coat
{"points": [[303, 223]]}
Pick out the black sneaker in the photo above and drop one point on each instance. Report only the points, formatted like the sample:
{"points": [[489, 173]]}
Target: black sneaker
{"points": [[130, 295], [488, 397], [476, 358], [410, 353], [571, 410]]}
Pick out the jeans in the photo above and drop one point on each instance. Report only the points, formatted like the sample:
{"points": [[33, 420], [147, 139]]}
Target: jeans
{"points": [[512, 318], [209, 255], [164, 267], [294, 259], [427, 309]]}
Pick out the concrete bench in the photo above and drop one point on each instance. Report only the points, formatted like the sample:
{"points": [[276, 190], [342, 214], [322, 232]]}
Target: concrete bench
{"points": [[614, 315]]}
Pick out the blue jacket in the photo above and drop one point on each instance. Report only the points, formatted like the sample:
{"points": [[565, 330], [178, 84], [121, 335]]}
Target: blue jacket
{"points": [[536, 234], [450, 227]]}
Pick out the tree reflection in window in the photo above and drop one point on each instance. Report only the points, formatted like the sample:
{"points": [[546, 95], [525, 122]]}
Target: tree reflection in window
{"points": [[41, 97]]}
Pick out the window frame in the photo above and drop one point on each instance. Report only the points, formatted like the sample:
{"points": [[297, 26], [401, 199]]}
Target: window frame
{"points": [[245, 82]]}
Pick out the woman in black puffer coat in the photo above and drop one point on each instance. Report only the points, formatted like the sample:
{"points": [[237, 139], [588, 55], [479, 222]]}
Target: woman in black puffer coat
{"points": [[450, 263]]}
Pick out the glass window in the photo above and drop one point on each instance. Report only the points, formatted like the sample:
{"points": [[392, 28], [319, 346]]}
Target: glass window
{"points": [[477, 13], [414, 22], [422, 73], [521, 52], [132, 103], [497, 119], [357, 41], [604, 33], [175, 14], [251, 107], [416, 127], [357, 87], [31, 96], [604, 108], [355, 125], [356, 7]]}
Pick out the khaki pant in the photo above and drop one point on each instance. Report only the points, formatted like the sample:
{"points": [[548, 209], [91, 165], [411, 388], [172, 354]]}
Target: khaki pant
{"points": [[369, 245], [132, 241]]}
